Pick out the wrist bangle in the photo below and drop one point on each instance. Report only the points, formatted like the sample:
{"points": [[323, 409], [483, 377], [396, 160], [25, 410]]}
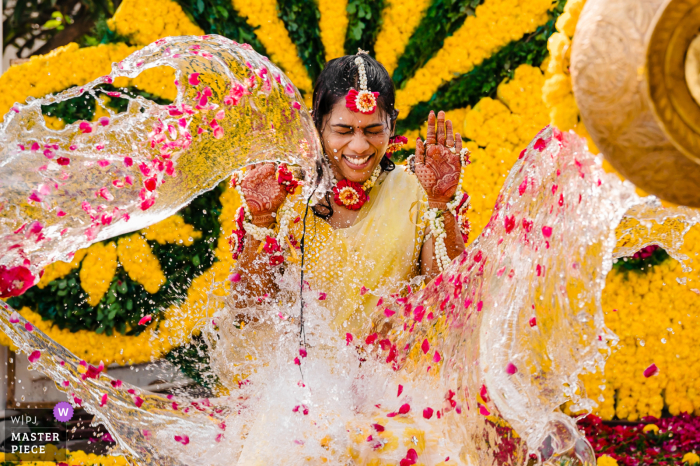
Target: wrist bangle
{"points": [[434, 217], [263, 218], [273, 244], [442, 205]]}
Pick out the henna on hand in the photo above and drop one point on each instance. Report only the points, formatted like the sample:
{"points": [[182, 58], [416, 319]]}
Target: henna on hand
{"points": [[436, 167], [263, 194]]}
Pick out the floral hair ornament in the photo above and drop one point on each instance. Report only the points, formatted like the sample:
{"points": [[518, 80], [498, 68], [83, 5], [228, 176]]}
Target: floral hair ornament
{"points": [[362, 101], [395, 143]]}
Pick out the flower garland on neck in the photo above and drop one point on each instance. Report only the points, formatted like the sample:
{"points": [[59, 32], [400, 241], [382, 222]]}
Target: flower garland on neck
{"points": [[354, 195], [272, 244], [458, 206]]}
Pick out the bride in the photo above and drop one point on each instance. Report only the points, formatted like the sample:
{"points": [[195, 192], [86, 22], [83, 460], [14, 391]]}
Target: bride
{"points": [[370, 233], [377, 231]]}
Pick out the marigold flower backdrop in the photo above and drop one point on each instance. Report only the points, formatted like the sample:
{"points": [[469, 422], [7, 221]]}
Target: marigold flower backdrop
{"points": [[500, 70]]}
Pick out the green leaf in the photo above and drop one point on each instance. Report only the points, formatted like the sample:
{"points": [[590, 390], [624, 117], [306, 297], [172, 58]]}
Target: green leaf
{"points": [[196, 261], [200, 6], [52, 24], [223, 11]]}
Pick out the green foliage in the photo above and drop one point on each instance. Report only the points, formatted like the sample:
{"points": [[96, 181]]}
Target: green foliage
{"points": [[83, 107], [364, 19], [193, 360], [101, 34], [484, 79], [301, 19], [441, 20], [219, 17], [63, 301], [643, 261]]}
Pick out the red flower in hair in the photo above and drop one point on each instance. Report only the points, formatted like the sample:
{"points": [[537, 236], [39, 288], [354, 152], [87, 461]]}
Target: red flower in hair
{"points": [[350, 194], [361, 101]]}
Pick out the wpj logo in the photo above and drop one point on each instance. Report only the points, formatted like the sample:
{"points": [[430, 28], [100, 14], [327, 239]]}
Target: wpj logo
{"points": [[36, 434]]}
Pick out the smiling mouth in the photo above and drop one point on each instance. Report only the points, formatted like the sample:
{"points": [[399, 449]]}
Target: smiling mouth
{"points": [[357, 162]]}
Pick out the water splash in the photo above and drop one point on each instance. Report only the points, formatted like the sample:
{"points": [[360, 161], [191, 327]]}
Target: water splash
{"points": [[470, 370], [64, 189]]}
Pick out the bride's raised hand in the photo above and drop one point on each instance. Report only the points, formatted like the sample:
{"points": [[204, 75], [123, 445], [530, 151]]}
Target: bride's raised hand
{"points": [[437, 162], [263, 194]]}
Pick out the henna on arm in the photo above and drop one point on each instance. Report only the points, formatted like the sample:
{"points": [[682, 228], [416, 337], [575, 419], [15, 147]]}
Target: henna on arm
{"points": [[438, 168], [264, 196]]}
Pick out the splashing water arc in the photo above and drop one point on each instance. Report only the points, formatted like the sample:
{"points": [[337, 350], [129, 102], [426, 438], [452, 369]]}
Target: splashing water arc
{"points": [[492, 347], [62, 190]]}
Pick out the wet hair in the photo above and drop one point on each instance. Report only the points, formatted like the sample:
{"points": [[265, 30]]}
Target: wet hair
{"points": [[334, 82]]}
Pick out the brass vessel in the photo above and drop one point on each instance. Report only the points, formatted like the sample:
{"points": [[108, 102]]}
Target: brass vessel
{"points": [[635, 68]]}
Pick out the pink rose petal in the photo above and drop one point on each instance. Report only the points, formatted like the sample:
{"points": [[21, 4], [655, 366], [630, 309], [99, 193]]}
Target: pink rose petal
{"points": [[85, 127], [34, 357], [145, 319], [651, 371], [425, 346]]}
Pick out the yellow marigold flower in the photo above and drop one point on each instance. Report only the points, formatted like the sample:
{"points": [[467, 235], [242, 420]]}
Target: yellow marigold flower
{"points": [[145, 21], [496, 23], [230, 202], [67, 66], [556, 89], [390, 442], [60, 269], [97, 271], [272, 33], [565, 114], [606, 460], [400, 18], [54, 122], [566, 23], [650, 428], [691, 458], [333, 26], [558, 45], [172, 230], [140, 263], [414, 438], [179, 321]]}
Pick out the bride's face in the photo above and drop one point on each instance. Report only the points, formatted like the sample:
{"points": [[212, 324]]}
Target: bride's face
{"points": [[355, 143]]}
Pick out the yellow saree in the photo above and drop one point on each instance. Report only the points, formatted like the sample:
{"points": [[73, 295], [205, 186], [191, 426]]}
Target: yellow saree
{"points": [[376, 256]]}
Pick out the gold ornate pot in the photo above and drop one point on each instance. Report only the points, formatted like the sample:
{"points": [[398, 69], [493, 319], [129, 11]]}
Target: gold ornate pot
{"points": [[635, 68]]}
